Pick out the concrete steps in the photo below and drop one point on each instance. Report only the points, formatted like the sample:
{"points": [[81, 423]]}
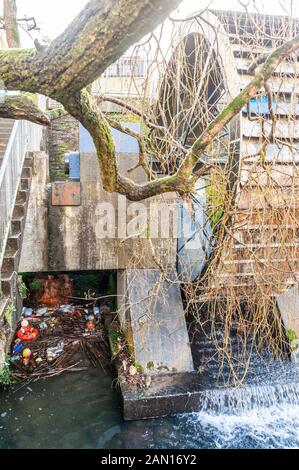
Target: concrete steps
{"points": [[12, 252], [8, 285]]}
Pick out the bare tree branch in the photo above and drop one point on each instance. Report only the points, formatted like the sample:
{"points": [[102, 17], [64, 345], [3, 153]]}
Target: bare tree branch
{"points": [[129, 107], [25, 107]]}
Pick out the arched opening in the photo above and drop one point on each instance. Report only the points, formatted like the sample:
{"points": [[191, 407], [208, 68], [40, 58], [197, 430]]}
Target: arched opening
{"points": [[192, 93]]}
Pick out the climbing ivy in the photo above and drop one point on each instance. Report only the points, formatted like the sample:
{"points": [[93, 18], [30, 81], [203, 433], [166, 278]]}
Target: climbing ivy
{"points": [[9, 313], [6, 376], [23, 290]]}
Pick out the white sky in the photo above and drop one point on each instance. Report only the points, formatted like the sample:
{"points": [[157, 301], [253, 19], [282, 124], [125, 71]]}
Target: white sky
{"points": [[53, 16]]}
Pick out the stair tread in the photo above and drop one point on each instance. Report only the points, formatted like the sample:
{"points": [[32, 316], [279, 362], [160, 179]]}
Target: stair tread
{"points": [[265, 226], [20, 203], [263, 245], [11, 253], [3, 303], [250, 274], [15, 236], [257, 260], [7, 277]]}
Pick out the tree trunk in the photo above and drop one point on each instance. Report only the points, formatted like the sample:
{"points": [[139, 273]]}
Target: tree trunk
{"points": [[10, 23]]}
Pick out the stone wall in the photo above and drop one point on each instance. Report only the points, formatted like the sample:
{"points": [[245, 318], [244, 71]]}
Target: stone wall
{"points": [[63, 137]]}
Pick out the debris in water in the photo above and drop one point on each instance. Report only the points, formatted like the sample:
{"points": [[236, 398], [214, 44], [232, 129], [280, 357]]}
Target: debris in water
{"points": [[54, 352], [27, 332], [90, 324], [26, 355], [56, 339], [132, 370]]}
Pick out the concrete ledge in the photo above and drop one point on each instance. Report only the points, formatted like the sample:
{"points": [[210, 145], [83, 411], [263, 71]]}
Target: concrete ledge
{"points": [[168, 394]]}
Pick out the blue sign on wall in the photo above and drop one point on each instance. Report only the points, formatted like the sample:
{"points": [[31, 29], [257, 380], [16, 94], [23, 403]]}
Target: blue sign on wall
{"points": [[74, 166], [260, 106]]}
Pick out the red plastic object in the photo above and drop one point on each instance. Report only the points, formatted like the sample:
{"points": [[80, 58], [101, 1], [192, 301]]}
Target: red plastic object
{"points": [[27, 334]]}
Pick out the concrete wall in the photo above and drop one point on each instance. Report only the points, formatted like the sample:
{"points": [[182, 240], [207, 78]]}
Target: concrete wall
{"points": [[123, 143], [34, 254], [65, 237], [73, 235], [120, 86]]}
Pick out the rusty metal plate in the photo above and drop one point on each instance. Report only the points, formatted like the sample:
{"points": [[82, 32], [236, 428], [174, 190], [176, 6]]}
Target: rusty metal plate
{"points": [[66, 193]]}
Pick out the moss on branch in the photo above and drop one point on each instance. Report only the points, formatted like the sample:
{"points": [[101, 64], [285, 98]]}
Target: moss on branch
{"points": [[23, 107]]}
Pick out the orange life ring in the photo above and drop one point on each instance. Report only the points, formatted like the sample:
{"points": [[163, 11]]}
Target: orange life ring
{"points": [[27, 334]]}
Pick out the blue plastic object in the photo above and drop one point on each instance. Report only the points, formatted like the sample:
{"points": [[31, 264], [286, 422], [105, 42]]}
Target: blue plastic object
{"points": [[18, 348]]}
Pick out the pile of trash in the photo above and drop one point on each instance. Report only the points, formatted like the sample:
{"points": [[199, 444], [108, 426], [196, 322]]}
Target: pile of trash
{"points": [[51, 340]]}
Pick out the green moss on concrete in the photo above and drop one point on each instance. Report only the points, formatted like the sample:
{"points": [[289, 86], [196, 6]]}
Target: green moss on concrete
{"points": [[214, 203], [291, 335]]}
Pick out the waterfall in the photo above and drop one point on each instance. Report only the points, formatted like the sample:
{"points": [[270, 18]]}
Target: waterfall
{"points": [[238, 400]]}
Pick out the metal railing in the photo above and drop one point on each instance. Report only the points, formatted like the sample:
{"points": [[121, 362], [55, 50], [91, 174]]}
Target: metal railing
{"points": [[25, 136], [127, 67]]}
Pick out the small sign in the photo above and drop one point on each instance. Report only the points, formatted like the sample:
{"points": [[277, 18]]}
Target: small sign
{"points": [[66, 193]]}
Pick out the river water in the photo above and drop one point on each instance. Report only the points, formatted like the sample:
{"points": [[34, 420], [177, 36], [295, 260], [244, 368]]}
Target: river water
{"points": [[81, 410]]}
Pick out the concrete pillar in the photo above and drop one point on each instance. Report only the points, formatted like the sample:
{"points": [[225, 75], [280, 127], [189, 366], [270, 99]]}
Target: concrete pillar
{"points": [[151, 310]]}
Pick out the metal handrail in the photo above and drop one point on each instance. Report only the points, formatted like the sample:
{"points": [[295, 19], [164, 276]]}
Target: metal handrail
{"points": [[25, 136], [10, 175]]}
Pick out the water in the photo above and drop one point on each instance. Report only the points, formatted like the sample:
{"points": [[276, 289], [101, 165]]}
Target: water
{"points": [[80, 410]]}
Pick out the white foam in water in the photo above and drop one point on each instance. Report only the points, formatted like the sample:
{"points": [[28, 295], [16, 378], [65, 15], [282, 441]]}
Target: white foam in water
{"points": [[262, 413], [251, 417], [236, 400], [273, 427]]}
